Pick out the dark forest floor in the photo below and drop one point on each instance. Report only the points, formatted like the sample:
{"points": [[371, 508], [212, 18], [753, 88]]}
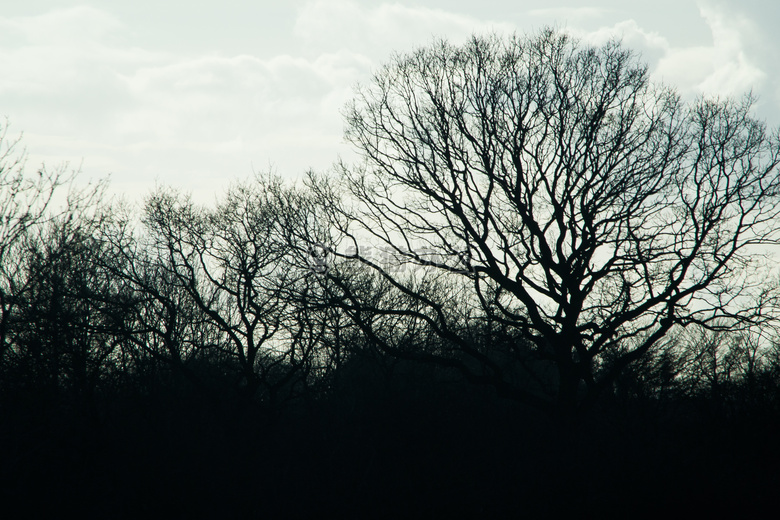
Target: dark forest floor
{"points": [[470, 455]]}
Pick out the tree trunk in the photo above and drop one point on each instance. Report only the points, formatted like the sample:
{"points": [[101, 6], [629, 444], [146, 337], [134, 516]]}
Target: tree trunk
{"points": [[568, 389]]}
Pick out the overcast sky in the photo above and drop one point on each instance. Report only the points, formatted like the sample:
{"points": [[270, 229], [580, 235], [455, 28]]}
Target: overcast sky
{"points": [[198, 93]]}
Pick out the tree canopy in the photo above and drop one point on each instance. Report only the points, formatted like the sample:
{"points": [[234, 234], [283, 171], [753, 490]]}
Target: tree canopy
{"points": [[571, 200]]}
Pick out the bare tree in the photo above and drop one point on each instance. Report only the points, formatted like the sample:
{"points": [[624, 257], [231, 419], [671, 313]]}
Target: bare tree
{"points": [[550, 188], [234, 264], [37, 211], [24, 201], [163, 329], [64, 336]]}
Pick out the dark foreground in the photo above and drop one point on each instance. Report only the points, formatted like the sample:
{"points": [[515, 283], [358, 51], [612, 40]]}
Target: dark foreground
{"points": [[411, 452]]}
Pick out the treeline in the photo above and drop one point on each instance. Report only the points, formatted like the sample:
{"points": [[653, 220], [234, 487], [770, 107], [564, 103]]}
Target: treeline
{"points": [[207, 360], [239, 300]]}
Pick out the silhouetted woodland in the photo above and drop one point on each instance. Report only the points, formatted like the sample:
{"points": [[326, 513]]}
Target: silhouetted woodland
{"points": [[545, 289]]}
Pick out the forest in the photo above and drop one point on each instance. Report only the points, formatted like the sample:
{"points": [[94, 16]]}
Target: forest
{"points": [[548, 286]]}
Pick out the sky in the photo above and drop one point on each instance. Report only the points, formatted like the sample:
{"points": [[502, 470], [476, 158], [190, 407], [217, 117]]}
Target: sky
{"points": [[197, 94]]}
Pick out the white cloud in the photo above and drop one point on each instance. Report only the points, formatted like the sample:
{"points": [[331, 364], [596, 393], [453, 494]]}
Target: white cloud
{"points": [[721, 68], [80, 87], [377, 31], [649, 44], [65, 55], [74, 25], [220, 114], [630, 32], [215, 97], [568, 13], [733, 72], [78, 91], [142, 114]]}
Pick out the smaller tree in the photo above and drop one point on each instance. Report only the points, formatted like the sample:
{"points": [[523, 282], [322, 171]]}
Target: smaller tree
{"points": [[166, 332], [44, 220], [65, 334], [24, 201], [234, 263]]}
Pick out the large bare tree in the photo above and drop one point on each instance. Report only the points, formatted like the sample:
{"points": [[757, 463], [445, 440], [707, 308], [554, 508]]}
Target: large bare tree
{"points": [[547, 189]]}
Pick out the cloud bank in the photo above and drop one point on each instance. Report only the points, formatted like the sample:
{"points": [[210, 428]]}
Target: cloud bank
{"points": [[80, 86]]}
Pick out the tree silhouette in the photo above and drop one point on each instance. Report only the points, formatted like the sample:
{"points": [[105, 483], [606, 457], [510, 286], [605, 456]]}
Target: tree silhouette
{"points": [[66, 336], [25, 202], [52, 333], [550, 189], [234, 264]]}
